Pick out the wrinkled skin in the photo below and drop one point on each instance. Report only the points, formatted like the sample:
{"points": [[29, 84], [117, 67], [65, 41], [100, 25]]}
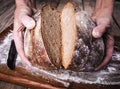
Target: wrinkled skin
{"points": [[101, 16]]}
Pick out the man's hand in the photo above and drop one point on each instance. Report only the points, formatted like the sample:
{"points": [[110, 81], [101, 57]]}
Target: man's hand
{"points": [[23, 18], [102, 16]]}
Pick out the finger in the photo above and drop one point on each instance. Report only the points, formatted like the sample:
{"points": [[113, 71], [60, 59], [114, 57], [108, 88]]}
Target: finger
{"points": [[18, 38], [93, 18], [25, 60], [28, 22], [34, 10], [21, 28], [98, 31], [109, 50]]}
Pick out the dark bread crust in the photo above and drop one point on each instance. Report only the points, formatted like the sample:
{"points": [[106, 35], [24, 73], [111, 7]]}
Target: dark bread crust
{"points": [[89, 52]]}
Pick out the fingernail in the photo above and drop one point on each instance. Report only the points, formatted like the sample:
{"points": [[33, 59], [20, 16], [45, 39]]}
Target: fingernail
{"points": [[96, 34], [30, 24], [93, 18]]}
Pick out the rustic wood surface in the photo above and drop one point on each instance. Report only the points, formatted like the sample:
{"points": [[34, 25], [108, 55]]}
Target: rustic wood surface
{"points": [[6, 18], [6, 13], [4, 85]]}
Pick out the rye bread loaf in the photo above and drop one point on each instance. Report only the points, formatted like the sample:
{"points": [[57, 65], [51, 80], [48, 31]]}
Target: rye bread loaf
{"points": [[63, 37]]}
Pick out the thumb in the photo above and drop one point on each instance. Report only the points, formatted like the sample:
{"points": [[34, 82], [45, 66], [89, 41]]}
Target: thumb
{"points": [[98, 31], [28, 22]]}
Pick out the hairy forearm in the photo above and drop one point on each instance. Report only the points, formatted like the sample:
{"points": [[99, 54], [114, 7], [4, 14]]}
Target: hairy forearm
{"points": [[105, 4], [30, 3]]}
